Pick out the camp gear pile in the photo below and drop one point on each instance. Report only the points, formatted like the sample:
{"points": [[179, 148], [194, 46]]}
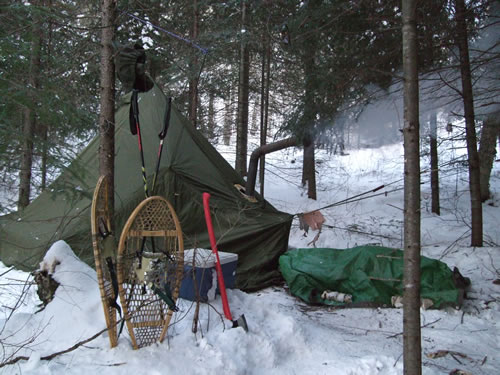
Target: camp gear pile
{"points": [[370, 275]]}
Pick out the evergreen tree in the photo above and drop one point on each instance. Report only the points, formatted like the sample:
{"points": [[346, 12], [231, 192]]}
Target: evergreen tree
{"points": [[62, 106]]}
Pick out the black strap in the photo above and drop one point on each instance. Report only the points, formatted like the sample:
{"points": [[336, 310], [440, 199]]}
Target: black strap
{"points": [[165, 295], [134, 112], [114, 283], [166, 121], [104, 232], [103, 228]]}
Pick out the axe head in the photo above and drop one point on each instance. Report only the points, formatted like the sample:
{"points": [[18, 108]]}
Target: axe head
{"points": [[241, 322]]}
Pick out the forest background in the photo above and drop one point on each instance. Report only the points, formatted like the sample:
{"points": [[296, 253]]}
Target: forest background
{"points": [[307, 70]]}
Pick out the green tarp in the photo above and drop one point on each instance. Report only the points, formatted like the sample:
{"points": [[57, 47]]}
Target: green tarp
{"points": [[257, 232], [370, 274]]}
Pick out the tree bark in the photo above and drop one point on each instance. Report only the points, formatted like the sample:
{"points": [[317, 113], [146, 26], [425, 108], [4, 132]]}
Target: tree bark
{"points": [[411, 280], [436, 208], [107, 102], [266, 85], [193, 82], [487, 152], [29, 114], [243, 92], [211, 116], [308, 167], [44, 129], [470, 127], [228, 118], [44, 137], [252, 126], [309, 52]]}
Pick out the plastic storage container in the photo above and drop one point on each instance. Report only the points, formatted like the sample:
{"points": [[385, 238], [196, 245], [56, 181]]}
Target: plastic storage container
{"points": [[205, 274]]}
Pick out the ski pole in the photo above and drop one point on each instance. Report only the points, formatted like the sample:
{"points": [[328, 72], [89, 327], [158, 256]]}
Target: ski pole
{"points": [[135, 115], [137, 130], [162, 136]]}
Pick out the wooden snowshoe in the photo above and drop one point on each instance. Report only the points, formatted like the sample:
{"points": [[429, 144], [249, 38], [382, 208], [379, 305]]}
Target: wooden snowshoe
{"points": [[104, 255], [150, 269]]}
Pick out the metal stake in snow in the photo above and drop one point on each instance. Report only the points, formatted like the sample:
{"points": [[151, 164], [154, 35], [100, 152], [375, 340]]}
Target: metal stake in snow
{"points": [[241, 321]]}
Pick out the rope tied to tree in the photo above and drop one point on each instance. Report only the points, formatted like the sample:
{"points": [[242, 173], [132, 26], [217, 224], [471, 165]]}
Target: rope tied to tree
{"points": [[186, 40]]}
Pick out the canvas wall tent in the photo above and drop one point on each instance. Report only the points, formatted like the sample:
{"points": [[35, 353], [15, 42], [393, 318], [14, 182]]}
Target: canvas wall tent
{"points": [[257, 232]]}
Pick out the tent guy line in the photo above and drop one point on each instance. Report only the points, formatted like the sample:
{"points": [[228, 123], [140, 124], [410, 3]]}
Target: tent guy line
{"points": [[146, 22], [352, 199]]}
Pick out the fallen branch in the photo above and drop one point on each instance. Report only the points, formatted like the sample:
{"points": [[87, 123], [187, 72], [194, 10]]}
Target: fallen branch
{"points": [[53, 355], [443, 353], [424, 326], [387, 256], [114, 364], [316, 237], [459, 372], [10, 269], [361, 232], [384, 279]]}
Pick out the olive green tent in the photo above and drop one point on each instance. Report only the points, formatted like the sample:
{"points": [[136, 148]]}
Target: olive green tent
{"points": [[256, 231]]}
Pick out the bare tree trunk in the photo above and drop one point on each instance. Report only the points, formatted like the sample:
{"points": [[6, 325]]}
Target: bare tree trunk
{"points": [[470, 127], [411, 280], [29, 114], [243, 92], [436, 208], [45, 128], [107, 103], [44, 137], [309, 170], [228, 118], [308, 167], [253, 121], [211, 116], [193, 82], [341, 137], [266, 85], [262, 105], [487, 152], [309, 53]]}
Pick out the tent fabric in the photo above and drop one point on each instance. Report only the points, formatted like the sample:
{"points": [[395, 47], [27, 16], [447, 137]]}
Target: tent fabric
{"points": [[369, 274], [257, 232]]}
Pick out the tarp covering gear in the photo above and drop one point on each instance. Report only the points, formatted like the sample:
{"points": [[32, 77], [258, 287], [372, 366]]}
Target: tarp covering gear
{"points": [[190, 165], [369, 274]]}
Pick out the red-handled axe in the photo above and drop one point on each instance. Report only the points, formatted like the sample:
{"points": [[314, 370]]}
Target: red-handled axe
{"points": [[241, 321]]}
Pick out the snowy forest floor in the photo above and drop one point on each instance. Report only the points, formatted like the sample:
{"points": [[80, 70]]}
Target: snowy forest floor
{"points": [[287, 336]]}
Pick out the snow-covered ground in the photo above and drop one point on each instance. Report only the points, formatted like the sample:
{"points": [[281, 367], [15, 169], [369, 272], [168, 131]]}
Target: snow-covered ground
{"points": [[286, 336]]}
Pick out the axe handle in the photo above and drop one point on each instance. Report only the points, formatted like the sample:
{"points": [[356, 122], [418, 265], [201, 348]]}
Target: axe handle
{"points": [[213, 243]]}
